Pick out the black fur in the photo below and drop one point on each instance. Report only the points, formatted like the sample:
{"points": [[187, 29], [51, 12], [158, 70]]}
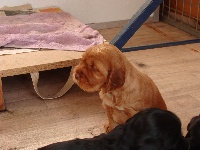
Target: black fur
{"points": [[193, 134], [101, 142], [150, 129]]}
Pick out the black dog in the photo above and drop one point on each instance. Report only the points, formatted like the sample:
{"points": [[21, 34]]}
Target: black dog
{"points": [[193, 134], [150, 129]]}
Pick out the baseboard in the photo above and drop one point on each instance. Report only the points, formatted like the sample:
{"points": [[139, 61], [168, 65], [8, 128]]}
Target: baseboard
{"points": [[120, 23], [107, 25]]}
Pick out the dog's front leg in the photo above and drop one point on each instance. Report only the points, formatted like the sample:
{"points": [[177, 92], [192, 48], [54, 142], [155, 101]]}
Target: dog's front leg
{"points": [[111, 123]]}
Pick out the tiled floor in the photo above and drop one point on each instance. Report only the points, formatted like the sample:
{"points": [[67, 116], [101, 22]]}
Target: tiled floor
{"points": [[31, 122]]}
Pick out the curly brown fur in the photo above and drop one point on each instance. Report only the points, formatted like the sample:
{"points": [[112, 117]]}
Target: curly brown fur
{"points": [[124, 90]]}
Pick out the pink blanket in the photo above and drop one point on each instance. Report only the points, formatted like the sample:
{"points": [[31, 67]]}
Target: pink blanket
{"points": [[51, 30]]}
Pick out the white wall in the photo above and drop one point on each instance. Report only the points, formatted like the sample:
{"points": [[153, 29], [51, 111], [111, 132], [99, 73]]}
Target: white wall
{"points": [[88, 11]]}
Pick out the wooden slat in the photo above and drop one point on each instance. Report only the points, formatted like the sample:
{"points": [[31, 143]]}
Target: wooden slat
{"points": [[2, 106], [37, 61]]}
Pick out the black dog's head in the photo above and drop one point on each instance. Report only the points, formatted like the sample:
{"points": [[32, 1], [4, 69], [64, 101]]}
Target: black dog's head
{"points": [[193, 134], [153, 129]]}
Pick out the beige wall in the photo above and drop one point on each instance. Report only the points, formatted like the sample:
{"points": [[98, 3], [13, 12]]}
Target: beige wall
{"points": [[88, 11]]}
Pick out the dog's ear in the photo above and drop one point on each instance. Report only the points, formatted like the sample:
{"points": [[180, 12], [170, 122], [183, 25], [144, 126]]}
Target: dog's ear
{"points": [[116, 79]]}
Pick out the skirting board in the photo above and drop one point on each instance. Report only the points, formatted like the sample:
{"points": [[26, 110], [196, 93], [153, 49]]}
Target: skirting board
{"points": [[116, 24]]}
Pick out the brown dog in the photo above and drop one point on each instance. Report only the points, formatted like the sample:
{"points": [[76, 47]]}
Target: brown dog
{"points": [[123, 89]]}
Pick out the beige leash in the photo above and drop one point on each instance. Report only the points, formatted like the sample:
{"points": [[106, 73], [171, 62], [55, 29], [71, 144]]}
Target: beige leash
{"points": [[64, 89]]}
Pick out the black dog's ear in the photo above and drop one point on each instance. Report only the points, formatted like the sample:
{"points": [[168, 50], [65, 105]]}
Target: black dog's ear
{"points": [[135, 142], [193, 134], [128, 139], [181, 144], [187, 135], [188, 129], [193, 128]]}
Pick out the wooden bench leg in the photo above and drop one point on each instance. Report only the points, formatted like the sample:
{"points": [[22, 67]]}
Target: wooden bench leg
{"points": [[2, 106]]}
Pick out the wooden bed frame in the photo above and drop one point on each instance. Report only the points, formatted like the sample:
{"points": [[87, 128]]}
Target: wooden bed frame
{"points": [[45, 60], [31, 62]]}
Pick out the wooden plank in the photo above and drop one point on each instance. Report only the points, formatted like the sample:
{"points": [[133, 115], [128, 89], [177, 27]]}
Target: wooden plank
{"points": [[34, 62], [37, 61], [2, 106]]}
